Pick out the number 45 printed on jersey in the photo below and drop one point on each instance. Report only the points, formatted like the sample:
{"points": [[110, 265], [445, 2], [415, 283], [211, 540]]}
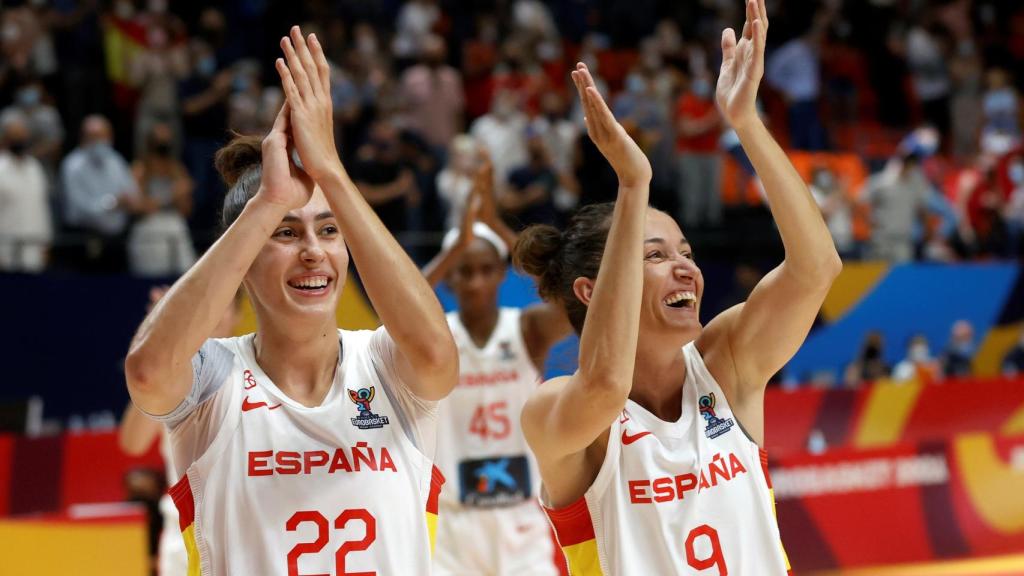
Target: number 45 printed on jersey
{"points": [[356, 515]]}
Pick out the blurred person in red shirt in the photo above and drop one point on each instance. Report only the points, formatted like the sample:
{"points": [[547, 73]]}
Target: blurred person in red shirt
{"points": [[698, 124]]}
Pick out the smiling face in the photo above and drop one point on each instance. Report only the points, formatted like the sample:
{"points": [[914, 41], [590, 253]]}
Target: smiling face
{"points": [[300, 270], [673, 284]]}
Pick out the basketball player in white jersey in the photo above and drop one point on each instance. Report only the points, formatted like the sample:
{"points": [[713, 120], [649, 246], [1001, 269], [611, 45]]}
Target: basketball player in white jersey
{"points": [[136, 435], [650, 453], [489, 521], [304, 449]]}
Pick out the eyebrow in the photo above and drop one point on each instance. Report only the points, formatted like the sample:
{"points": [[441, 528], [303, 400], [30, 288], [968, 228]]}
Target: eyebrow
{"points": [[656, 240], [317, 218]]}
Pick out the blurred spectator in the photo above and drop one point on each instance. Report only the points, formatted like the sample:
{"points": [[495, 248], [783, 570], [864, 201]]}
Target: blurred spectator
{"points": [[156, 70], [432, 95], [837, 208], [794, 70], [956, 358], [1014, 211], [414, 24], [1001, 108], [502, 131], [698, 124], [966, 74], [99, 195], [455, 181], [528, 197], [387, 185], [645, 105], [918, 364], [25, 221], [1013, 362], [926, 57], [561, 138], [204, 105], [159, 243], [896, 196], [869, 365], [46, 132]]}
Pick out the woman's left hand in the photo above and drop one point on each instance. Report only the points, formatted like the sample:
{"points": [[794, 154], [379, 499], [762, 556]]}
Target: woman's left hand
{"points": [[742, 67], [306, 80]]}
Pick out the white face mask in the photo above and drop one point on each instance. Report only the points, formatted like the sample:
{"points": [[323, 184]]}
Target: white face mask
{"points": [[919, 352]]}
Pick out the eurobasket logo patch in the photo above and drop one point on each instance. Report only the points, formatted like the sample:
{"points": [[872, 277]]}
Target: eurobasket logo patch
{"points": [[716, 426], [366, 418]]}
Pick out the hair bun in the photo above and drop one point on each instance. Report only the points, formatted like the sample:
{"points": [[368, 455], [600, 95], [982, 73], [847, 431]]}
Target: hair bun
{"points": [[535, 254], [238, 156]]}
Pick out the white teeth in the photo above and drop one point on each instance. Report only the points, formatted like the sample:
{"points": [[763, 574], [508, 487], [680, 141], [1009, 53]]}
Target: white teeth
{"points": [[678, 296], [311, 282]]}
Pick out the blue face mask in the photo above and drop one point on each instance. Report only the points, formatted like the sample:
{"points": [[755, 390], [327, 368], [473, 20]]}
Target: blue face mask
{"points": [[207, 66], [1016, 173], [28, 97], [701, 88]]}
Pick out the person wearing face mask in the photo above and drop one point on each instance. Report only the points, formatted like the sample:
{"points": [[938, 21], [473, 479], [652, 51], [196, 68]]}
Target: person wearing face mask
{"points": [[956, 358], [528, 197], [836, 207], [99, 195], [698, 124], [46, 131], [918, 364], [156, 70], [25, 225], [503, 132], [159, 243]]}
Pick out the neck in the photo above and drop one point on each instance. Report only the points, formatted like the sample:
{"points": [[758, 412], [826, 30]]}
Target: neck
{"points": [[658, 378], [479, 324], [301, 364]]}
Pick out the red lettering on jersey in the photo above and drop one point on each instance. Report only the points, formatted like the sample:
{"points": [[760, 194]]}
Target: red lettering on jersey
{"points": [[668, 488], [637, 490], [489, 379], [385, 460], [258, 463], [313, 459], [340, 462], [288, 462]]}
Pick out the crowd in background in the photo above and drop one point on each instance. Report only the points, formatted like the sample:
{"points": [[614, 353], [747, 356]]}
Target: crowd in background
{"points": [[110, 112]]}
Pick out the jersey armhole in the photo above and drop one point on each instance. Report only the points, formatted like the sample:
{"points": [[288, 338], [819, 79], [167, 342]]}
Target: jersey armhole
{"points": [[693, 364]]}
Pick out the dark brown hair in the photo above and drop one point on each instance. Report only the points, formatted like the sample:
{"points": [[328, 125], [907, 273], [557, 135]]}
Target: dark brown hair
{"points": [[556, 259], [240, 164]]}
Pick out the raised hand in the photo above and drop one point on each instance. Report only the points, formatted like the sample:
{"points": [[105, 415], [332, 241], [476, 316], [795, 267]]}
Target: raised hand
{"points": [[627, 159], [742, 67], [483, 187], [282, 182], [306, 80]]}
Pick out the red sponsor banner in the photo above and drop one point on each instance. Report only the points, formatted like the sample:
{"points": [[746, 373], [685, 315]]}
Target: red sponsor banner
{"points": [[906, 503]]}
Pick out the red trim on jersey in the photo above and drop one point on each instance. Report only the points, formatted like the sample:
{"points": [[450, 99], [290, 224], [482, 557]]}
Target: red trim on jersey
{"points": [[181, 494], [764, 466], [436, 481], [572, 523]]}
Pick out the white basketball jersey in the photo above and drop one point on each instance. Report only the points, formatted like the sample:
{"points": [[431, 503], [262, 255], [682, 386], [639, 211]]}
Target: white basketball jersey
{"points": [[340, 488], [480, 444], [685, 497]]}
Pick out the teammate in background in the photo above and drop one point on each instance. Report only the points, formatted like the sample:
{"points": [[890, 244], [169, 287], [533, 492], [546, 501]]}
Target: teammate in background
{"points": [[650, 452], [303, 448], [136, 435], [490, 522]]}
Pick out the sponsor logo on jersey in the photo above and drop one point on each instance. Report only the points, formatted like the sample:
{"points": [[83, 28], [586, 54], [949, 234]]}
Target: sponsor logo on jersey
{"points": [[628, 438], [506, 350], [366, 418], [668, 488], [250, 405], [492, 482], [716, 426]]}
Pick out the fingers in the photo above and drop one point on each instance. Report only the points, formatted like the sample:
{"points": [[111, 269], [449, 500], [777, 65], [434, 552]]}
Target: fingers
{"points": [[291, 91], [298, 72], [759, 36], [763, 15], [282, 120], [322, 67], [306, 59], [728, 44], [751, 16]]}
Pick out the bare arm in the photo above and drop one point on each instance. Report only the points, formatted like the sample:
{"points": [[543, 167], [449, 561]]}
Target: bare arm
{"points": [[440, 265], [567, 415], [137, 432], [543, 325], [784, 304], [428, 359], [158, 367]]}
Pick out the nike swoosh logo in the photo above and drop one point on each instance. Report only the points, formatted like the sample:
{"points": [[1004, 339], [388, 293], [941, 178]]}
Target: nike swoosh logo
{"points": [[627, 439], [250, 405]]}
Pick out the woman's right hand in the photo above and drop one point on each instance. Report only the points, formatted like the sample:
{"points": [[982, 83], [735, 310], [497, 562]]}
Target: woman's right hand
{"points": [[282, 183], [627, 159]]}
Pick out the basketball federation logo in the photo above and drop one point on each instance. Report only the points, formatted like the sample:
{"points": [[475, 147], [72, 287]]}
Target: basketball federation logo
{"points": [[716, 426], [366, 418]]}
